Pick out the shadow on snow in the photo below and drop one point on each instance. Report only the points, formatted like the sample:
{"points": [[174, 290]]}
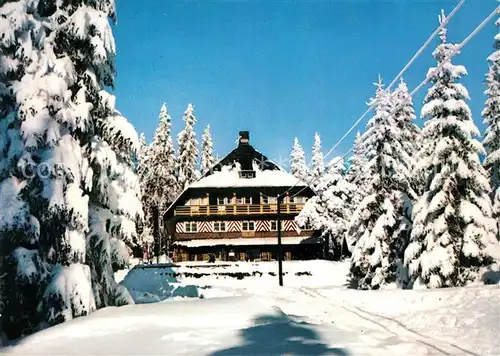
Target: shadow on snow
{"points": [[278, 335]]}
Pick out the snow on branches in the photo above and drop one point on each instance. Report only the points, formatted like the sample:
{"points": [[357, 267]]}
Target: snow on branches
{"points": [[453, 226], [378, 230]]}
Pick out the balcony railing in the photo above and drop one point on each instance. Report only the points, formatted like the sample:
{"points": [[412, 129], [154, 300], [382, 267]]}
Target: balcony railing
{"points": [[238, 209]]}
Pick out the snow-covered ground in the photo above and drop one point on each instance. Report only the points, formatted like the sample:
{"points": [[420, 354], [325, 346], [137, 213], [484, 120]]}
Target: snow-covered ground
{"points": [[313, 314]]}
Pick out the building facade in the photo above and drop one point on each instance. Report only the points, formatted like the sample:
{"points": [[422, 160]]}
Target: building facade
{"points": [[231, 212]]}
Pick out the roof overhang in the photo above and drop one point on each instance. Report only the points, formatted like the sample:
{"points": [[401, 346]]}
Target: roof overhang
{"points": [[244, 241]]}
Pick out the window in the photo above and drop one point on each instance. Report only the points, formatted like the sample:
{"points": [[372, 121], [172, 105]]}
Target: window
{"points": [[240, 200], [190, 226], [221, 201], [265, 200], [248, 226], [219, 226], [274, 225], [194, 201]]}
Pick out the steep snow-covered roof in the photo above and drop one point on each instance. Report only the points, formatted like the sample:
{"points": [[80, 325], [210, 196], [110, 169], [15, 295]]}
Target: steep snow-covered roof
{"points": [[229, 177]]}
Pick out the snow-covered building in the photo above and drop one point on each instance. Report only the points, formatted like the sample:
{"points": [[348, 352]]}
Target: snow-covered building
{"points": [[231, 212]]}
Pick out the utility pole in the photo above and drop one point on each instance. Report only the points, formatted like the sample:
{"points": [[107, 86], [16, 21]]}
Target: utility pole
{"points": [[280, 246]]}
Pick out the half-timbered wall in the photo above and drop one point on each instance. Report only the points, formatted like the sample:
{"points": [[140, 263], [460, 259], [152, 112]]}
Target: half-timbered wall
{"points": [[234, 226]]}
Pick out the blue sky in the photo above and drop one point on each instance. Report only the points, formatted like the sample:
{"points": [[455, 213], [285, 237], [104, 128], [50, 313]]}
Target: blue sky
{"points": [[281, 69]]}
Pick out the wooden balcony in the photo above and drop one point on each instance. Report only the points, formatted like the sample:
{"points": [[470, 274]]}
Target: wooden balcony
{"points": [[239, 209]]}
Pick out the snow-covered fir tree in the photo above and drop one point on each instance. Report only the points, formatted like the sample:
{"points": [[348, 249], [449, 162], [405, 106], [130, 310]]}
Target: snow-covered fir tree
{"points": [[73, 167], [142, 171], [115, 203], [298, 166], [141, 168], [453, 226], [159, 168], [411, 135], [207, 156], [317, 162], [188, 151], [143, 148], [327, 211], [51, 115], [356, 173], [380, 226], [21, 271], [491, 115]]}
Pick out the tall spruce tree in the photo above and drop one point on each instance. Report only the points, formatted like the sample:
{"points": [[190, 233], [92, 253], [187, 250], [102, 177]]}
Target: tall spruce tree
{"points": [[298, 166], [317, 162], [411, 135], [75, 165], [188, 152], [21, 269], [159, 167], [491, 115], [143, 149], [404, 114], [357, 174], [381, 224], [453, 225], [207, 157]]}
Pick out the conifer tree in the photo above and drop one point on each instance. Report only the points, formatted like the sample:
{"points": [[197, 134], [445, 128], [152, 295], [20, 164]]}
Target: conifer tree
{"points": [[207, 158], [143, 148], [159, 176], [491, 115], [21, 36], [410, 132], [51, 115], [328, 210], [357, 174], [381, 224], [298, 166], [188, 152], [453, 226], [78, 190], [317, 161], [404, 114]]}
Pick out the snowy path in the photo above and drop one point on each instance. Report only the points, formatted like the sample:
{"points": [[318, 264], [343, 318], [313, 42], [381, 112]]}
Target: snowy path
{"points": [[306, 317]]}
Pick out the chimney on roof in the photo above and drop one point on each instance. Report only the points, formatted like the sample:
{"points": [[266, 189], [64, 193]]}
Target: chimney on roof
{"points": [[244, 138], [245, 156]]}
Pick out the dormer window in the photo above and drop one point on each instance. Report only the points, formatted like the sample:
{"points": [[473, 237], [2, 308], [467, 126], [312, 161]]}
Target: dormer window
{"points": [[247, 174]]}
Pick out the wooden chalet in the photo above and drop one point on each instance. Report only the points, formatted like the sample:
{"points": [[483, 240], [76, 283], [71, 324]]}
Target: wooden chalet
{"points": [[231, 212]]}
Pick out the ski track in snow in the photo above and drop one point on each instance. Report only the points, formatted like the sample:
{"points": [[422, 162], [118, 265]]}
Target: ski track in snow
{"points": [[396, 329]]}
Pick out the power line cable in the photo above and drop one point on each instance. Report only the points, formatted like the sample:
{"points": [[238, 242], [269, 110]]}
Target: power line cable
{"points": [[425, 81], [398, 76]]}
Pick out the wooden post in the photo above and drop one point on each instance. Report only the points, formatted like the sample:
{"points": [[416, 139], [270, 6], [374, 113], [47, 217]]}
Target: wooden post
{"points": [[208, 204], [280, 247]]}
